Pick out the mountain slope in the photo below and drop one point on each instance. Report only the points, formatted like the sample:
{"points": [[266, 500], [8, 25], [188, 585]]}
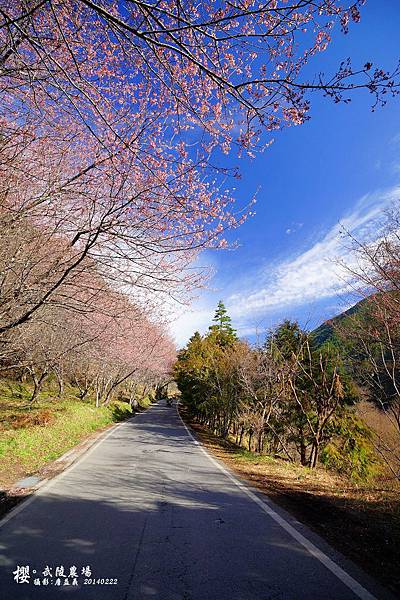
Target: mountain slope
{"points": [[326, 331]]}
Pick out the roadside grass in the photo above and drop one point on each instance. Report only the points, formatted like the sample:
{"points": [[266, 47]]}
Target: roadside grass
{"points": [[360, 520], [145, 402], [33, 435], [387, 437]]}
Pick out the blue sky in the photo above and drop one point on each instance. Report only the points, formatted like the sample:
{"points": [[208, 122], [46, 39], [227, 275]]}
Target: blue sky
{"points": [[340, 168]]}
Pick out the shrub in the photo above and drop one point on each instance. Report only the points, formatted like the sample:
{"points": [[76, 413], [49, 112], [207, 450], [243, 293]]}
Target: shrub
{"points": [[350, 450]]}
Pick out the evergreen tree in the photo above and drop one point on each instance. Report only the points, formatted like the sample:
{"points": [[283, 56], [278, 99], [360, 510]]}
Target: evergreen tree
{"points": [[222, 328], [287, 339]]}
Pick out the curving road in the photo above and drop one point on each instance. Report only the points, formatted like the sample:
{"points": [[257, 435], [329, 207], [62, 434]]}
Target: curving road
{"points": [[146, 514]]}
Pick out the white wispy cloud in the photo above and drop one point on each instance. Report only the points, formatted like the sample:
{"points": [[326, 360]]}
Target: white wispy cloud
{"points": [[304, 279], [314, 274], [293, 228]]}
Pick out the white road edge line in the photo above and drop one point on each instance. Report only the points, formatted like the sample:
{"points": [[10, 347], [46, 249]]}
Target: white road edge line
{"points": [[344, 577], [48, 485]]}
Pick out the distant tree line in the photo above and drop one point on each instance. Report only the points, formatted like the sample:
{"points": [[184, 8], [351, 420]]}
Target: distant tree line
{"points": [[287, 397], [295, 397], [96, 339]]}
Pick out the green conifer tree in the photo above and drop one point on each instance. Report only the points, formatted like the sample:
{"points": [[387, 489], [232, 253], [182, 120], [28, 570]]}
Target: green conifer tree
{"points": [[222, 326]]}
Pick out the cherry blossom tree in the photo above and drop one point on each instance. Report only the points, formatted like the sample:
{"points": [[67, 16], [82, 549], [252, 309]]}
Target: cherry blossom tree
{"points": [[112, 112], [117, 218], [89, 335], [99, 352], [194, 64], [113, 117]]}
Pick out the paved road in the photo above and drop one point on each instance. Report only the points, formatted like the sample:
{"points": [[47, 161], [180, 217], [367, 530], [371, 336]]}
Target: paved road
{"points": [[148, 509]]}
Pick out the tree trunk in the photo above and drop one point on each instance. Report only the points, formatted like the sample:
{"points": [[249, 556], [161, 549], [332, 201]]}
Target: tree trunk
{"points": [[260, 442], [314, 454], [60, 381], [241, 436], [303, 449], [303, 457], [108, 397], [250, 438], [98, 388], [83, 393], [37, 384]]}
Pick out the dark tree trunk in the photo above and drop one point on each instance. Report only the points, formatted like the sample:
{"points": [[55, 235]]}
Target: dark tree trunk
{"points": [[37, 384], [250, 439], [241, 436], [314, 456], [261, 443], [303, 450]]}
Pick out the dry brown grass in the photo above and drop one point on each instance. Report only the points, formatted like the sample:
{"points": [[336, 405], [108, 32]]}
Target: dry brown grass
{"points": [[387, 439], [41, 418]]}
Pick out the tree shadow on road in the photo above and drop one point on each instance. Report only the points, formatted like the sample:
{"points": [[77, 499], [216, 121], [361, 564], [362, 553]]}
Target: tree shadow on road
{"points": [[165, 524]]}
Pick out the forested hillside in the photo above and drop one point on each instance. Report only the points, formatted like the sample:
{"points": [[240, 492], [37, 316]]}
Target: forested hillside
{"points": [[326, 332]]}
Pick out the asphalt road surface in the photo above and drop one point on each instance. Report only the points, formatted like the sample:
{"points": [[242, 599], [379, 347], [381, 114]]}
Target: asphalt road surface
{"points": [[146, 514]]}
